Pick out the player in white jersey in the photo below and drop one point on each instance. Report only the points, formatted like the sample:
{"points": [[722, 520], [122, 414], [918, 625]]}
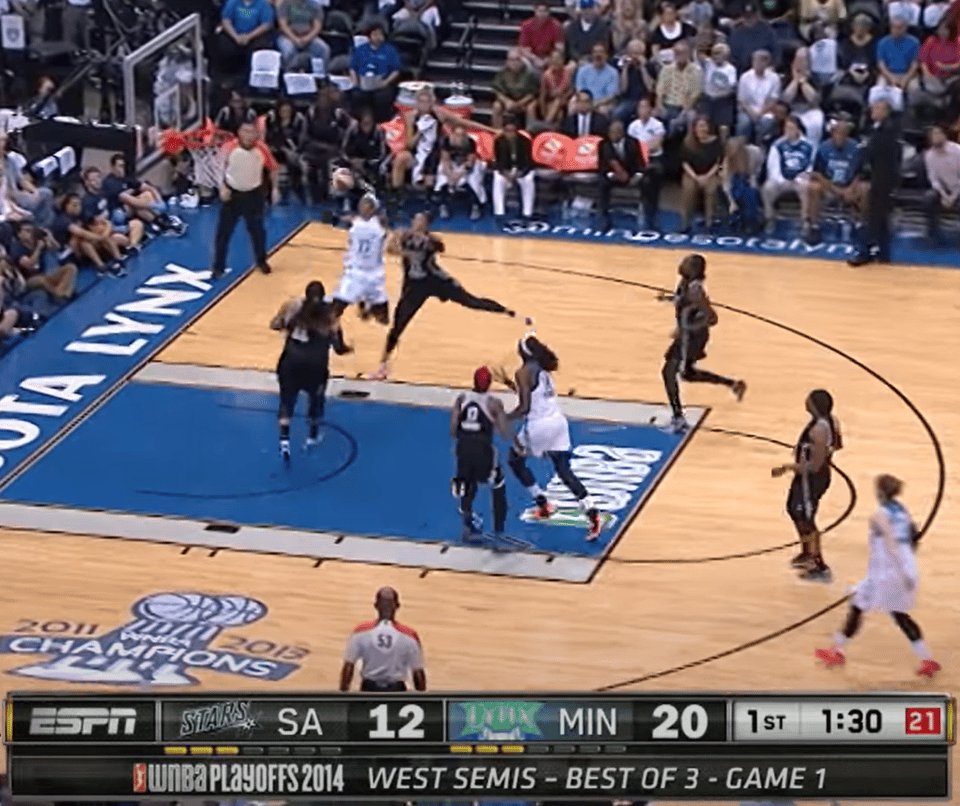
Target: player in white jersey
{"points": [[890, 585], [544, 430], [364, 280]]}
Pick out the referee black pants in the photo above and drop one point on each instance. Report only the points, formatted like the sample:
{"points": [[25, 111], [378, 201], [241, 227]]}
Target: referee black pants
{"points": [[248, 205], [369, 685]]}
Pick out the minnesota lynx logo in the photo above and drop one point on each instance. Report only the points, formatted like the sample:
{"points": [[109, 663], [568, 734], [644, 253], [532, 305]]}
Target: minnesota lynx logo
{"points": [[169, 634], [499, 721]]}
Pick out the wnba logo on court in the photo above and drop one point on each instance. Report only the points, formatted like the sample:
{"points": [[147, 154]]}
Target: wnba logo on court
{"points": [[170, 634]]}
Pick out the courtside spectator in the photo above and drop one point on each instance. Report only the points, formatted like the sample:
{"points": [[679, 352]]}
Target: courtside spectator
{"points": [[670, 30], [628, 22], [637, 79], [245, 26], [135, 198], [829, 13], [882, 157], [757, 92], [858, 54], [720, 87], [584, 31], [512, 165], [234, 113], [96, 211], [28, 254], [651, 132], [13, 320], [556, 90], [701, 156], [940, 60], [620, 164], [789, 163], [583, 120], [286, 130], [600, 79], [750, 34], [97, 243], [22, 191], [460, 169], [388, 652], [942, 162], [421, 154], [44, 104], [539, 36], [425, 11], [741, 166], [802, 93], [515, 89], [327, 126], [898, 63], [76, 20], [366, 157], [375, 69], [836, 170], [679, 87], [300, 23]]}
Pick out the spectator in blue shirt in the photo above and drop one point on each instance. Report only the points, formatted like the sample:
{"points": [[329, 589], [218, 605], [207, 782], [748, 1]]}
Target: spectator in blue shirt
{"points": [[835, 174], [95, 208], [788, 170], [375, 69], [600, 79], [898, 62], [750, 34], [245, 26]]}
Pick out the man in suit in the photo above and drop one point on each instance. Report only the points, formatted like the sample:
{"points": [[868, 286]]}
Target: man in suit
{"points": [[584, 121], [882, 155], [512, 164], [620, 164]]}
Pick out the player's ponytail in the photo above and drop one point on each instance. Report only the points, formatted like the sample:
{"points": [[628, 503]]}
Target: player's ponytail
{"points": [[534, 348], [822, 402], [315, 314], [889, 486]]}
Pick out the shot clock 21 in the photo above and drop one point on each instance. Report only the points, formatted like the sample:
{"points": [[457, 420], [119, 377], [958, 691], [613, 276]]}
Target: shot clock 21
{"points": [[479, 746]]}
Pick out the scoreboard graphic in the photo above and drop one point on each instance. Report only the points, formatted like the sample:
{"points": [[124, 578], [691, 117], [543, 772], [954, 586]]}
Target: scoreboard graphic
{"points": [[470, 746]]}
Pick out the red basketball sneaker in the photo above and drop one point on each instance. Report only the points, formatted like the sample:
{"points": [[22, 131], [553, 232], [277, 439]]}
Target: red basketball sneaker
{"points": [[928, 668], [831, 657]]}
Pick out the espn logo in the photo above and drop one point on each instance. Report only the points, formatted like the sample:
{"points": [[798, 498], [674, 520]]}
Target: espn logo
{"points": [[139, 778], [82, 721]]}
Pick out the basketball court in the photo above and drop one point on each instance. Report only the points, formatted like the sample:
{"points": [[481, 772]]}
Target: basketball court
{"points": [[169, 482]]}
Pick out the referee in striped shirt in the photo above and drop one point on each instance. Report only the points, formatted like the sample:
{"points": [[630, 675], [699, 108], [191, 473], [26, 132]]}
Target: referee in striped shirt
{"points": [[388, 651], [243, 191]]}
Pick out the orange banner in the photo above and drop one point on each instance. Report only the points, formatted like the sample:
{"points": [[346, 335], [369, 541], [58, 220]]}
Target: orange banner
{"points": [[395, 131]]}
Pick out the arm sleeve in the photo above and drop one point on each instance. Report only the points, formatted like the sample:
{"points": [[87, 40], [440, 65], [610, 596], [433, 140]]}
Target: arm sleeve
{"points": [[352, 653]]}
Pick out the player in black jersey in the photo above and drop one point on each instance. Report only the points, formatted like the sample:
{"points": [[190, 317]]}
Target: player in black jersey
{"points": [[811, 480], [423, 278], [304, 366], [695, 316], [474, 418]]}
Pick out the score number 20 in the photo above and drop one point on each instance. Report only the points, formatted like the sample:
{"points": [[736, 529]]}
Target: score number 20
{"points": [[689, 722]]}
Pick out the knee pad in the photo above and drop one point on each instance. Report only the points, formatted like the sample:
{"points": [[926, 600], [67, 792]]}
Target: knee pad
{"points": [[458, 488], [515, 460], [498, 480], [908, 625]]}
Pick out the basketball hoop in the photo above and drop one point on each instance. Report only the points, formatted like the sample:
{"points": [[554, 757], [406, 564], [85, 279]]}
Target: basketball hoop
{"points": [[205, 146]]}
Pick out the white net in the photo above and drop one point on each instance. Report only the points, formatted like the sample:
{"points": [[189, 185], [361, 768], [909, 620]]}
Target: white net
{"points": [[204, 148]]}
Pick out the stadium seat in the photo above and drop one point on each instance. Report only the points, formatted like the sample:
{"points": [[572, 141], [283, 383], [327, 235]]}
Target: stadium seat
{"points": [[300, 83], [47, 167], [265, 70], [412, 41], [66, 159], [338, 33]]}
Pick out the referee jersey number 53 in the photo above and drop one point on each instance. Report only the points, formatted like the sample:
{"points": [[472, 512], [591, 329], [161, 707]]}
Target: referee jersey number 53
{"points": [[388, 651]]}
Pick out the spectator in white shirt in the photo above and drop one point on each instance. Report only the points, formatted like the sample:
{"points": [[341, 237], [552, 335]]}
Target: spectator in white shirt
{"points": [[942, 161], [789, 164], [802, 93], [650, 131], [720, 86], [757, 92]]}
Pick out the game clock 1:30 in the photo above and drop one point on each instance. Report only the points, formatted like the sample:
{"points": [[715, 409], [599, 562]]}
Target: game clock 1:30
{"points": [[852, 720]]}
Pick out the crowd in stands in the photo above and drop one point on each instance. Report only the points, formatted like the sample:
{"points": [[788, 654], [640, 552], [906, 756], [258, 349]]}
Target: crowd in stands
{"points": [[743, 103], [50, 232]]}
